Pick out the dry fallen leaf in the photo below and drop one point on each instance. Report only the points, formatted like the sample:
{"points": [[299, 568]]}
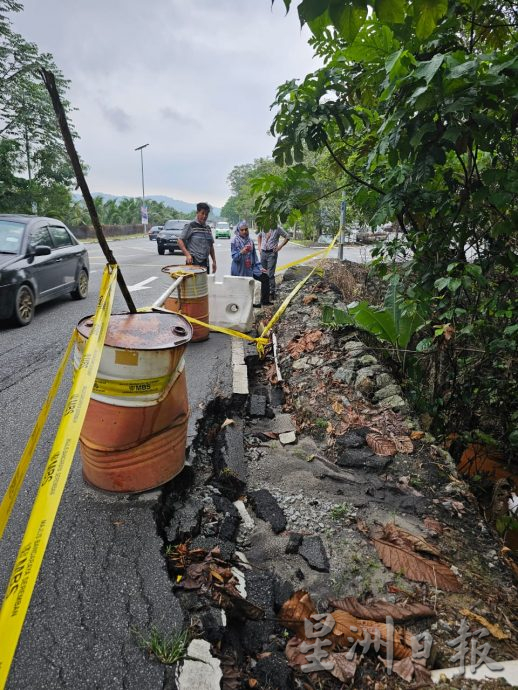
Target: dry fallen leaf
{"points": [[295, 657], [410, 669], [404, 445], [379, 610], [433, 525], [338, 407], [227, 422], [308, 299], [381, 445], [305, 343], [343, 669], [417, 435], [495, 630], [349, 627], [399, 536], [399, 555]]}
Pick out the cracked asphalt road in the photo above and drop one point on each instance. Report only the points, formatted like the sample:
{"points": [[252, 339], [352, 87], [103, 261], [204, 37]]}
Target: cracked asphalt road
{"points": [[102, 574]]}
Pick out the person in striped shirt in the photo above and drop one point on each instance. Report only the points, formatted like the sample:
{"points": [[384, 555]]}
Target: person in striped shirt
{"points": [[269, 245], [196, 240]]}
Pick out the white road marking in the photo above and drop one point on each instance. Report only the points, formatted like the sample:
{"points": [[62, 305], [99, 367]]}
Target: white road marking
{"points": [[142, 285]]}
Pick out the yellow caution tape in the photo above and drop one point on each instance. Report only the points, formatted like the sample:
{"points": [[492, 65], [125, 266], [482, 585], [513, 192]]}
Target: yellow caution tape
{"points": [[301, 261], [218, 329], [13, 489], [227, 331], [30, 556], [263, 339], [286, 302]]}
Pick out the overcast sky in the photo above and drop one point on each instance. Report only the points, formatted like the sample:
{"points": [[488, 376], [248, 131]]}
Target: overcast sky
{"points": [[193, 78]]}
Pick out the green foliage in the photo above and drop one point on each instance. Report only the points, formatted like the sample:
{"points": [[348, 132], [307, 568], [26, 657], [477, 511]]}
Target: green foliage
{"points": [[127, 211], [34, 169], [417, 106], [340, 511], [395, 323], [167, 648]]}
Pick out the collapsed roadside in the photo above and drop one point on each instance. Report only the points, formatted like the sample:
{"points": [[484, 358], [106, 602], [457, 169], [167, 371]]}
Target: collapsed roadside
{"points": [[326, 485]]}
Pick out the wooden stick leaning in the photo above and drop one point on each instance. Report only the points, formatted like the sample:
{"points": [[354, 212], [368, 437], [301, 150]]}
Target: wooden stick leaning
{"points": [[50, 83]]}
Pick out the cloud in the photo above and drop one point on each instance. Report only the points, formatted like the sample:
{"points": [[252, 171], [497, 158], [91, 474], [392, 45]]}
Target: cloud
{"points": [[194, 79], [117, 117], [180, 119]]}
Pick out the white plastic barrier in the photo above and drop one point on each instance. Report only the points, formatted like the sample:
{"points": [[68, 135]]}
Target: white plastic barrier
{"points": [[231, 302]]}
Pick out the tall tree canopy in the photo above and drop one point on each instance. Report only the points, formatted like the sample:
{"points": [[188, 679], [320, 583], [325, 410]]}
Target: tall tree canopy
{"points": [[417, 104], [34, 168]]}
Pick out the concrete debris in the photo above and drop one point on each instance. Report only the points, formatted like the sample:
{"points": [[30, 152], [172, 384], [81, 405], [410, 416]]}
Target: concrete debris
{"points": [[509, 671], [313, 552], [267, 508], [368, 360], [200, 669], [287, 438], [344, 375], [247, 521], [384, 379], [186, 522], [257, 405], [294, 542], [241, 581], [353, 439], [364, 459], [394, 402], [274, 672], [280, 425], [387, 391]]}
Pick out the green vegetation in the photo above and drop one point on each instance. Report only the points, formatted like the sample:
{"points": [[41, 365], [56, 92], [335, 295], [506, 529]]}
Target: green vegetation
{"points": [[340, 511], [321, 423], [168, 649], [254, 182], [35, 173], [417, 108]]}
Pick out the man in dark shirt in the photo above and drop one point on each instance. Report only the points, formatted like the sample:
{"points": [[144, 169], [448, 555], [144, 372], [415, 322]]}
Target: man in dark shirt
{"points": [[269, 247], [196, 240]]}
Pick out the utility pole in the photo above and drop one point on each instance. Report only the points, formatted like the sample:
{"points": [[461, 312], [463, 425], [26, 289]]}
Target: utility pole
{"points": [[343, 207], [143, 210]]}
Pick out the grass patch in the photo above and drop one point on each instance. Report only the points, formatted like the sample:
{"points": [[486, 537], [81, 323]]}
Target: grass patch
{"points": [[340, 511], [167, 648], [321, 423]]}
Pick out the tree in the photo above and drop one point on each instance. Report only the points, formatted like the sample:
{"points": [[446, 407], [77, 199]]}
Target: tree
{"points": [[417, 106], [27, 120]]}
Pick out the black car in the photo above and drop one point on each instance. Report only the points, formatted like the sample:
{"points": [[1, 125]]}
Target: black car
{"points": [[167, 238], [40, 259], [153, 231]]}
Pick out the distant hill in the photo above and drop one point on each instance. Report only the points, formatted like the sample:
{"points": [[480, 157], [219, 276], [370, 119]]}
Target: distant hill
{"points": [[183, 206]]}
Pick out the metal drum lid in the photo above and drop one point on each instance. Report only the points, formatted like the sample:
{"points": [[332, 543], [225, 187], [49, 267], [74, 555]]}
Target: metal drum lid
{"points": [[142, 331]]}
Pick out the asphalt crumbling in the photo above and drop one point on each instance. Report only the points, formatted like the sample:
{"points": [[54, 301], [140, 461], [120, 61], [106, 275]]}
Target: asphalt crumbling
{"points": [[252, 520]]}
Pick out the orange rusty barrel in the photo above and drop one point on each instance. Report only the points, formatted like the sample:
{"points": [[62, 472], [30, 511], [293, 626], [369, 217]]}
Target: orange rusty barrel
{"points": [[134, 434], [193, 297]]}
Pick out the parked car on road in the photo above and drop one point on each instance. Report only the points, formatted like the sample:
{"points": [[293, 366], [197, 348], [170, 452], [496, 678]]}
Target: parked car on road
{"points": [[167, 238], [40, 259], [222, 231], [153, 231]]}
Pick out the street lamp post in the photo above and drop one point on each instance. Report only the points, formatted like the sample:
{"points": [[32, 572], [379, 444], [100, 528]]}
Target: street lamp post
{"points": [[143, 210]]}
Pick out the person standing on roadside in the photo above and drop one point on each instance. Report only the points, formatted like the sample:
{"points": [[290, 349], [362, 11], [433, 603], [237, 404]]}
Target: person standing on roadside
{"points": [[269, 247], [245, 262], [196, 240]]}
